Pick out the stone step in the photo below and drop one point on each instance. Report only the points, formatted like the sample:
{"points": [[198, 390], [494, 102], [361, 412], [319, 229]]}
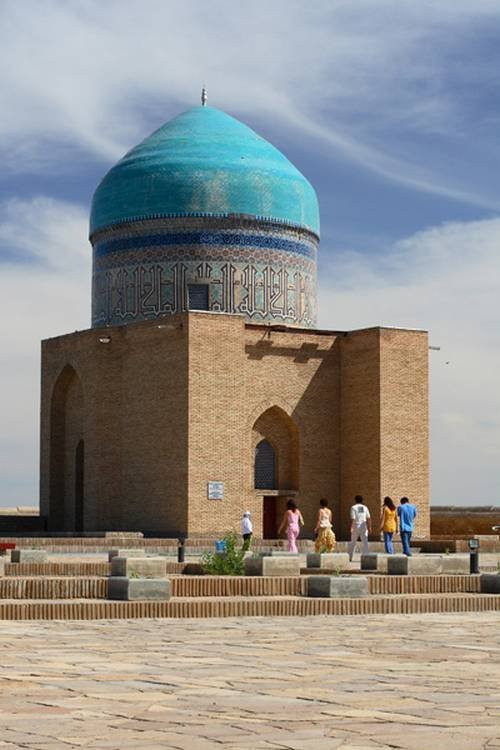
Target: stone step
{"points": [[226, 586], [245, 607]]}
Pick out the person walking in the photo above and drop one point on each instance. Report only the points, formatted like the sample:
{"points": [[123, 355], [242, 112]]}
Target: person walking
{"points": [[246, 530], [292, 520], [388, 524], [407, 513], [325, 539], [361, 526]]}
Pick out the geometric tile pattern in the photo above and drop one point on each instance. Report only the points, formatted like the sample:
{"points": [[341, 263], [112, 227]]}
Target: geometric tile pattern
{"points": [[264, 270]]}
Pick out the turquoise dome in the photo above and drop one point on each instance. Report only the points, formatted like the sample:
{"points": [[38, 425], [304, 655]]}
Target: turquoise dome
{"points": [[204, 163]]}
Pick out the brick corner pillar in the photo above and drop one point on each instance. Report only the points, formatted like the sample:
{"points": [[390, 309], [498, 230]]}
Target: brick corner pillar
{"points": [[384, 422], [404, 420]]}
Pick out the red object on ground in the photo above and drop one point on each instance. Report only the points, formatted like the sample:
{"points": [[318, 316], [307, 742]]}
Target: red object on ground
{"points": [[4, 546]]}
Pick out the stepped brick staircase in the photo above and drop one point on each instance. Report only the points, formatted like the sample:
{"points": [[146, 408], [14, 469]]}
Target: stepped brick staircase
{"points": [[77, 590]]}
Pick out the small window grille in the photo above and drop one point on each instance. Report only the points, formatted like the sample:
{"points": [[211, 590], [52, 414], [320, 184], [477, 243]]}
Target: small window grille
{"points": [[198, 296], [265, 466]]}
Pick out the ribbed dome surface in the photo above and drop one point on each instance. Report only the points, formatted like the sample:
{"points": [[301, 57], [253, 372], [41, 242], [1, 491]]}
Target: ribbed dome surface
{"points": [[204, 163]]}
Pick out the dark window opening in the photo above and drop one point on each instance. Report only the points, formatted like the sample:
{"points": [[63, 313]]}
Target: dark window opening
{"points": [[265, 466], [198, 296]]}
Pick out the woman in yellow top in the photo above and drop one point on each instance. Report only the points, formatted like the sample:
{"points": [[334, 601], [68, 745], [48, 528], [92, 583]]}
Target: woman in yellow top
{"points": [[389, 524]]}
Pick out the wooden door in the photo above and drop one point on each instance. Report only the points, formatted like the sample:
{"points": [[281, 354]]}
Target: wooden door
{"points": [[270, 528]]}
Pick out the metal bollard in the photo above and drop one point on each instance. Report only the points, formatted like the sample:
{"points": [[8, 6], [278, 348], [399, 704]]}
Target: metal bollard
{"points": [[181, 550], [474, 556]]}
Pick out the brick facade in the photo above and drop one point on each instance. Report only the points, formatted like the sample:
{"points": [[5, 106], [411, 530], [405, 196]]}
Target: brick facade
{"points": [[168, 405]]}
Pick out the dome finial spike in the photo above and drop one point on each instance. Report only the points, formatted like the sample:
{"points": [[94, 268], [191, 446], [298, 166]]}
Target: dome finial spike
{"points": [[203, 97]]}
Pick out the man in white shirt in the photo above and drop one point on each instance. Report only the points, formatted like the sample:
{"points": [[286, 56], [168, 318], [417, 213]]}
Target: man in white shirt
{"points": [[246, 530], [361, 526]]}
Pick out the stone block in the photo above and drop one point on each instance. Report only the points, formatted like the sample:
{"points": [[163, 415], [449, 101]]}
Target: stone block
{"points": [[33, 556], [125, 553], [142, 567], [420, 565], [139, 589], [272, 566], [490, 583], [455, 564], [337, 586], [328, 560], [375, 561]]}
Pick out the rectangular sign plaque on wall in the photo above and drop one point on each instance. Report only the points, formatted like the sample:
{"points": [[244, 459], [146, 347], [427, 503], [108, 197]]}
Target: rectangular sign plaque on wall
{"points": [[215, 490]]}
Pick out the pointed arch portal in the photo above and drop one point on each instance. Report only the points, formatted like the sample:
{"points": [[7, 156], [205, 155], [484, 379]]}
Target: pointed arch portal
{"points": [[66, 503]]}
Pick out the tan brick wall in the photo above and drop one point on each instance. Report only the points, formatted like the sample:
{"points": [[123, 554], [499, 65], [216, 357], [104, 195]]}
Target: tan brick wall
{"points": [[384, 433], [237, 373], [360, 423], [172, 405], [135, 427], [404, 420]]}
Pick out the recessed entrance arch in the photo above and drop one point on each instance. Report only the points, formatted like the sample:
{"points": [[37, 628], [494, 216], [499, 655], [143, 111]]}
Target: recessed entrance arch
{"points": [[66, 499], [276, 470]]}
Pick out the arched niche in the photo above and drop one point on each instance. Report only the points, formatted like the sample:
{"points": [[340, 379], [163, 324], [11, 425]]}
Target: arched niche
{"points": [[66, 459], [278, 430]]}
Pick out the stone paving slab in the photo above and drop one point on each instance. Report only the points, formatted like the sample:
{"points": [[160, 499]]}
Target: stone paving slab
{"points": [[405, 682]]}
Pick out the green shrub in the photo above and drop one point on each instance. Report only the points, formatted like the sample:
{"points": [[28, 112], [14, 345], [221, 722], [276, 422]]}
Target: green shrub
{"points": [[229, 563]]}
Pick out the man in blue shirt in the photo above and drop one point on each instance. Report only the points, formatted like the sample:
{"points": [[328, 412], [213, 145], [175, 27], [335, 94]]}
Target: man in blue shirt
{"points": [[407, 514]]}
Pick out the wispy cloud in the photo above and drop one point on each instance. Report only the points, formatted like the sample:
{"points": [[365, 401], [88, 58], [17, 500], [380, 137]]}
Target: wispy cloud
{"points": [[357, 76], [445, 279]]}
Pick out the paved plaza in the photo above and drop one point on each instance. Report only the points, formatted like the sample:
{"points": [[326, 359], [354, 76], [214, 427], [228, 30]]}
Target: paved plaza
{"points": [[354, 683]]}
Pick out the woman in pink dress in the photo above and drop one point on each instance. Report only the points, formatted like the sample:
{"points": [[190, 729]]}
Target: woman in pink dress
{"points": [[293, 520]]}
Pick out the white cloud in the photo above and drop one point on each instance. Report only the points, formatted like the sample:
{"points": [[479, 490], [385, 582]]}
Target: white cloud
{"points": [[447, 280], [43, 297], [346, 73]]}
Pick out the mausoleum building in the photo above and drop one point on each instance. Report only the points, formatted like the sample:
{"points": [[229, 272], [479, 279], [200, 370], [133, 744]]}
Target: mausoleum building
{"points": [[203, 388]]}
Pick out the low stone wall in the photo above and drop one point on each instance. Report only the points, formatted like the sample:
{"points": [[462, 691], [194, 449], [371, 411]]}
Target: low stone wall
{"points": [[453, 520], [229, 586], [74, 569], [259, 607], [17, 523], [440, 584], [53, 588], [101, 543], [58, 569], [238, 586]]}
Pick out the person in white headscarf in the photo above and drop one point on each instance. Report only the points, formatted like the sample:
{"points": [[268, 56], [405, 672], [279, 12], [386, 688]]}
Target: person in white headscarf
{"points": [[246, 529]]}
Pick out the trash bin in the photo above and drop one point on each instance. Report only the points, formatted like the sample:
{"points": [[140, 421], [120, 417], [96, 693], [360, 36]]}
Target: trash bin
{"points": [[220, 547]]}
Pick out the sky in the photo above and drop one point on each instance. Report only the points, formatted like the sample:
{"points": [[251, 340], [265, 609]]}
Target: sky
{"points": [[391, 108]]}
